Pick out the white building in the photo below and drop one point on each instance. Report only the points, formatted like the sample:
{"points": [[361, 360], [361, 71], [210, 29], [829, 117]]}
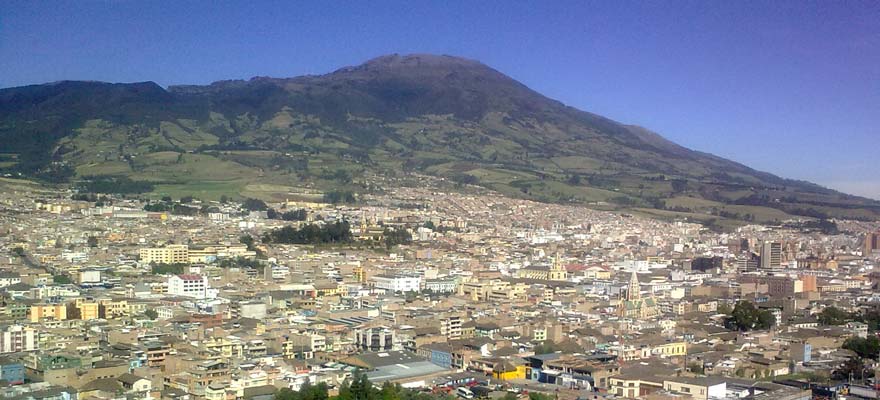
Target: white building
{"points": [[9, 278], [89, 276], [397, 283], [74, 256], [189, 285], [16, 338]]}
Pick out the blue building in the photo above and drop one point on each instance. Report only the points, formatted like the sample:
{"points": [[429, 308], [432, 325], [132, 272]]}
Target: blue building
{"points": [[11, 372]]}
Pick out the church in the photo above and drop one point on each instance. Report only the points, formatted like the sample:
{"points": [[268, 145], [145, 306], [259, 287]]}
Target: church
{"points": [[555, 272], [634, 306]]}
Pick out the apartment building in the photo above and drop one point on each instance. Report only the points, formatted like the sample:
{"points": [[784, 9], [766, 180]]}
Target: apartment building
{"points": [[16, 338], [188, 285], [171, 254]]}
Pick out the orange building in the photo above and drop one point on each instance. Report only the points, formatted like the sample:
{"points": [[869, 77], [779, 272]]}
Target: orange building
{"points": [[809, 283]]}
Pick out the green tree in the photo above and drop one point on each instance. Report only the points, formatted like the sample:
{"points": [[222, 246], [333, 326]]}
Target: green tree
{"points": [[394, 237], [167, 269], [61, 280], [865, 347], [853, 368], [834, 316], [539, 396], [390, 391], [306, 392], [92, 241], [254, 205], [545, 347], [745, 317], [151, 314], [339, 196], [248, 241], [18, 251]]}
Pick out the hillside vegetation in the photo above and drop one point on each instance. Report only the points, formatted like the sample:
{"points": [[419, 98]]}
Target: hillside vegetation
{"points": [[439, 115]]}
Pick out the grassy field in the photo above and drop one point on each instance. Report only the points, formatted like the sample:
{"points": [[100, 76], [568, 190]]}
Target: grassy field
{"points": [[201, 190]]}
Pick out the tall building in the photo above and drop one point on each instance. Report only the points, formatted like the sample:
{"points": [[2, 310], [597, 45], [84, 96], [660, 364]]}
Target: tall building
{"points": [[557, 271], [634, 306], [872, 243], [771, 255], [16, 338]]}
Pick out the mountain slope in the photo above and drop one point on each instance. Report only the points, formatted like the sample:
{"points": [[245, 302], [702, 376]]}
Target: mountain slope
{"points": [[440, 115]]}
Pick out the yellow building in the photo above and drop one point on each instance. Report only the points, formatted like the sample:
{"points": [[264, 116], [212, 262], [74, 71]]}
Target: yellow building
{"points": [[86, 310], [225, 347], [327, 288], [171, 254], [360, 274], [506, 371], [672, 349], [494, 290], [48, 312], [634, 386], [115, 308], [555, 272]]}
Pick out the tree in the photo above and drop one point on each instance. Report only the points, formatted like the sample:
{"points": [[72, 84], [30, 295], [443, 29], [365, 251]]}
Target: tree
{"points": [[545, 347], [337, 232], [339, 196], [61, 280], [853, 368], [679, 185], [151, 314], [92, 241], [390, 391], [833, 316], [254, 205], [167, 269], [864, 347], [696, 367], [509, 396], [18, 251], [745, 317], [306, 392], [539, 396], [248, 241], [394, 237], [295, 215], [360, 389]]}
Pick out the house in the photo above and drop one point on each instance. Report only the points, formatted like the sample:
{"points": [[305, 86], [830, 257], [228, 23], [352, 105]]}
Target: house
{"points": [[134, 384], [701, 388]]}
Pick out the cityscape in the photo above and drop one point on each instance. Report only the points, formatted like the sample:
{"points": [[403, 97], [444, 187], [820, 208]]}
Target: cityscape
{"points": [[483, 292], [439, 200]]}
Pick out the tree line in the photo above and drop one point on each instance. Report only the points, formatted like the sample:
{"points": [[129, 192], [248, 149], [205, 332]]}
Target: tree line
{"points": [[337, 232]]}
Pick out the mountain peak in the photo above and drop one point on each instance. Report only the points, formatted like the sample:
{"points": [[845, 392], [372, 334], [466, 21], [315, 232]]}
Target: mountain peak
{"points": [[417, 63], [420, 60], [439, 114]]}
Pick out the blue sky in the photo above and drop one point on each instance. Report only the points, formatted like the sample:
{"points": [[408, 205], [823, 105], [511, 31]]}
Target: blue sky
{"points": [[792, 88]]}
